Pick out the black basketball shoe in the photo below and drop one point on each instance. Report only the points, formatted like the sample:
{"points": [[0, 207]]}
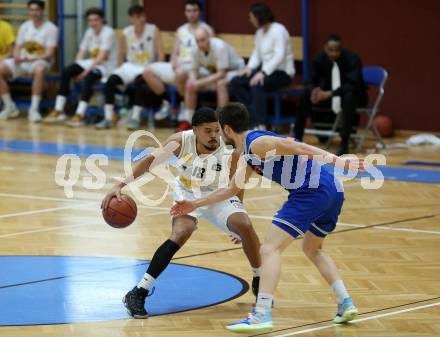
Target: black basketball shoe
{"points": [[134, 301]]}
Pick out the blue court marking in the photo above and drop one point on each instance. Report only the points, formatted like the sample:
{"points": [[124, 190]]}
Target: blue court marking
{"points": [[36, 290], [397, 174], [117, 153], [421, 163], [55, 149]]}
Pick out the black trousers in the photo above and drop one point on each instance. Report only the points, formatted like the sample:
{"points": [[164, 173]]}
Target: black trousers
{"points": [[140, 93], [144, 96], [74, 70], [111, 88], [255, 97], [350, 101]]}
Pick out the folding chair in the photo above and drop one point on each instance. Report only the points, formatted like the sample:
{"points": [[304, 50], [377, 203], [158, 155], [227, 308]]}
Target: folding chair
{"points": [[373, 76]]}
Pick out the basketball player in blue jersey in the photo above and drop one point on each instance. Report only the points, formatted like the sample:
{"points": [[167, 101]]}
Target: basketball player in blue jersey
{"points": [[311, 210]]}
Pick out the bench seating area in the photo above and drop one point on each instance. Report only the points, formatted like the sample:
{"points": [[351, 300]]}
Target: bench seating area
{"points": [[243, 43]]}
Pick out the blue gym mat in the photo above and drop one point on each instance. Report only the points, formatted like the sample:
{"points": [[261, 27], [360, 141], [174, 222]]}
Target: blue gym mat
{"points": [[69, 289], [117, 153]]}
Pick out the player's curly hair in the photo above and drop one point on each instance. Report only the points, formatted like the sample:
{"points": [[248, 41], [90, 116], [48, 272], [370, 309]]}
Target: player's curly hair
{"points": [[235, 115], [204, 115]]}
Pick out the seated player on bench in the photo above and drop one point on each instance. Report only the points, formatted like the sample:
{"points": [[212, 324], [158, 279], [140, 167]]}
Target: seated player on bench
{"points": [[34, 53], [140, 45], [96, 57]]}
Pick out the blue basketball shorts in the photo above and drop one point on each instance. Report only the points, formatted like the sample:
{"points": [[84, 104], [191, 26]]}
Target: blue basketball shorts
{"points": [[314, 210]]}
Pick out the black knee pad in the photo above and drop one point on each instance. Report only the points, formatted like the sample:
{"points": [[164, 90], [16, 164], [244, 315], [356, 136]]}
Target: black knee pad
{"points": [[113, 81]]}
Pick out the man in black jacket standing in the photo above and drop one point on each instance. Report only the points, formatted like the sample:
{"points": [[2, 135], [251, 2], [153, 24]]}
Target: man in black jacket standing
{"points": [[336, 83]]}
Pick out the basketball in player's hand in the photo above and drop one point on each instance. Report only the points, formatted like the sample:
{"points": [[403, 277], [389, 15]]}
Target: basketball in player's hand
{"points": [[120, 213]]}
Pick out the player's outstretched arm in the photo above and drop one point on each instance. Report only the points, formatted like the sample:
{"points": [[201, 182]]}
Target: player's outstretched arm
{"points": [[236, 184], [171, 146], [269, 146], [235, 159]]}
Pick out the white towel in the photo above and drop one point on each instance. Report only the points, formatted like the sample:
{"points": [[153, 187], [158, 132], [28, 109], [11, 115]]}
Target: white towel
{"points": [[336, 83]]}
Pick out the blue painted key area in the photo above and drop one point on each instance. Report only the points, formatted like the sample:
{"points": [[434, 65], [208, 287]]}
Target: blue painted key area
{"points": [[69, 289]]}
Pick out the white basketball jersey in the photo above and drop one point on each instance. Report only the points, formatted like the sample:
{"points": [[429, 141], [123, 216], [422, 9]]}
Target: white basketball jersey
{"points": [[106, 41], [140, 49], [34, 41], [187, 41], [207, 173]]}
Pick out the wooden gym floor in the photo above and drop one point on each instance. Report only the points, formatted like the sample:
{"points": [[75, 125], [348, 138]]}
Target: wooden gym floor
{"points": [[386, 246]]}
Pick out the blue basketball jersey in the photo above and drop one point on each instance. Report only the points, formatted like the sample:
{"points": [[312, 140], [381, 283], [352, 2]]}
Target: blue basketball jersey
{"points": [[291, 172]]}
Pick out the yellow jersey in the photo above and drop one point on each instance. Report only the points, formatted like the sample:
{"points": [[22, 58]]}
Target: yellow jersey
{"points": [[7, 38]]}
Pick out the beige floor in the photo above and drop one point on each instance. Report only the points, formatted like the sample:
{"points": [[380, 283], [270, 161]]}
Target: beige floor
{"points": [[386, 246]]}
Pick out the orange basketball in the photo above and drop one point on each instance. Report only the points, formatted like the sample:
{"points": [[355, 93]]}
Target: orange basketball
{"points": [[384, 125], [120, 214]]}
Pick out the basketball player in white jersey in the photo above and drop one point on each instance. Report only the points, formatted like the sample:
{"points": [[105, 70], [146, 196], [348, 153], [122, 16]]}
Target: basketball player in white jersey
{"points": [[204, 168], [177, 71], [140, 44], [96, 57], [33, 54], [215, 63]]}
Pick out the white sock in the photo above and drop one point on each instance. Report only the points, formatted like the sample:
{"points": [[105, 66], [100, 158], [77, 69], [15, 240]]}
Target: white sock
{"points": [[35, 103], [7, 99], [255, 272], [189, 115], [146, 281], [60, 102], [340, 291], [81, 109], [180, 115], [136, 114], [264, 302], [108, 110]]}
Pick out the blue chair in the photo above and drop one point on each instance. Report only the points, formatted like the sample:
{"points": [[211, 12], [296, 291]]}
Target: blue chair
{"points": [[376, 77], [373, 77], [277, 119]]}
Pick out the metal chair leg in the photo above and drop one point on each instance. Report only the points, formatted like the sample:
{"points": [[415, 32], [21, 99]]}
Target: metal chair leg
{"points": [[333, 131], [378, 136]]}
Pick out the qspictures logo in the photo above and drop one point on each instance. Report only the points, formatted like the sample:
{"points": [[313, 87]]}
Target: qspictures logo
{"points": [[198, 175]]}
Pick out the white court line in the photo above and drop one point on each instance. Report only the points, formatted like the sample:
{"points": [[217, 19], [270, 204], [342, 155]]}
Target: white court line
{"points": [[399, 229], [300, 332], [48, 229], [44, 210], [264, 197], [37, 197], [26, 196]]}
